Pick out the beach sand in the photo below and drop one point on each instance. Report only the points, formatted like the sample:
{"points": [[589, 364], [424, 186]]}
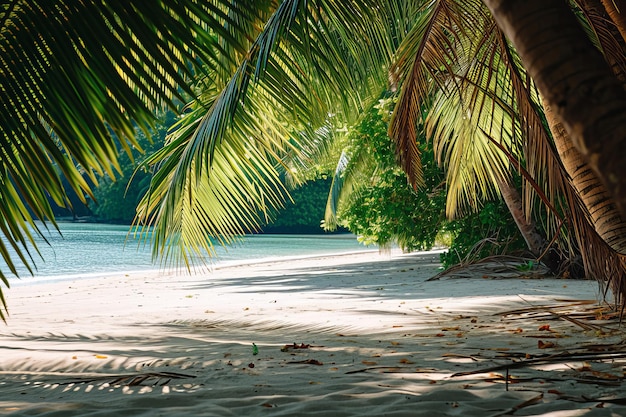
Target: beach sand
{"points": [[352, 335]]}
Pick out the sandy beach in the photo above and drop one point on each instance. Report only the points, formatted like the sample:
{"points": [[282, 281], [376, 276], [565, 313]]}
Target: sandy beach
{"points": [[353, 335]]}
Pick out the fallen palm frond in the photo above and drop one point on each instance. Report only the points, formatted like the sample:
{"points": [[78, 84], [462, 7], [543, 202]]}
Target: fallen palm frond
{"points": [[551, 359], [497, 267], [593, 312], [392, 369], [158, 378]]}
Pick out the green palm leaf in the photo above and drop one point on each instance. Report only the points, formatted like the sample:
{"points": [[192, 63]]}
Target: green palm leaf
{"points": [[221, 170], [76, 78]]}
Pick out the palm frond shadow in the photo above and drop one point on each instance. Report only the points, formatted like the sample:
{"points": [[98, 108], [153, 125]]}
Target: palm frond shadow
{"points": [[130, 379]]}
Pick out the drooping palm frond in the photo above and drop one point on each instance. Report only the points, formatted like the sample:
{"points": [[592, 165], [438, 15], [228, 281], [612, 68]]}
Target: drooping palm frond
{"points": [[458, 76], [76, 77], [486, 89], [309, 62], [337, 189], [595, 19], [355, 169], [425, 51]]}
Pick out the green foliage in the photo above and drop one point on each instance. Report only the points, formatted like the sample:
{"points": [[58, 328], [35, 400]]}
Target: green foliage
{"points": [[392, 212], [116, 200], [478, 235], [305, 212], [387, 209]]}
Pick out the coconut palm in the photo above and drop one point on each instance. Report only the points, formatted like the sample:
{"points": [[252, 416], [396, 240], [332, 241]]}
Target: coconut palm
{"points": [[77, 78], [497, 115], [575, 81], [268, 77]]}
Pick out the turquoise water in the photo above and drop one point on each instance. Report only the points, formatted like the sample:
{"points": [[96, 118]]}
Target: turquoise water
{"points": [[86, 249]]}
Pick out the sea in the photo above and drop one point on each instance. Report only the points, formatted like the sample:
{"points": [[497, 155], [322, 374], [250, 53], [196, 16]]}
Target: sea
{"points": [[93, 249]]}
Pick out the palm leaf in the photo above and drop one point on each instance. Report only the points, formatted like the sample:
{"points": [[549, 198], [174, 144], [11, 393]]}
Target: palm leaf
{"points": [[76, 78], [219, 175]]}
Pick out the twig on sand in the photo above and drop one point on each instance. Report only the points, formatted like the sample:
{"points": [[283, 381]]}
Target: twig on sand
{"points": [[556, 358], [584, 326], [584, 399], [306, 362], [129, 379], [518, 407], [391, 369]]}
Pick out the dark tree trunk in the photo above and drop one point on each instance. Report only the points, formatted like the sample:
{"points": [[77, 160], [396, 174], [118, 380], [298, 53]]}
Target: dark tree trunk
{"points": [[603, 214], [575, 81], [617, 14], [535, 242]]}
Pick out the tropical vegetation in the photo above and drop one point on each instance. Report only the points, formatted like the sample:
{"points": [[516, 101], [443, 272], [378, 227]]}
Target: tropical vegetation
{"points": [[270, 86]]}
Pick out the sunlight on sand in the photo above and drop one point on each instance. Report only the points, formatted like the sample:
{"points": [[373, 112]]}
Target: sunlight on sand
{"points": [[360, 334]]}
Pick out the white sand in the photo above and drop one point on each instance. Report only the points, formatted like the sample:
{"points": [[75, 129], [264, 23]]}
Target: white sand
{"points": [[381, 342]]}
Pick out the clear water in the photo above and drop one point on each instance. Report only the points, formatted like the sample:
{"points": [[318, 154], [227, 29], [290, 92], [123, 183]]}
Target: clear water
{"points": [[86, 249]]}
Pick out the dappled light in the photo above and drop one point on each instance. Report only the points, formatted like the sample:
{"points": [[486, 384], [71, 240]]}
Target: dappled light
{"points": [[366, 332]]}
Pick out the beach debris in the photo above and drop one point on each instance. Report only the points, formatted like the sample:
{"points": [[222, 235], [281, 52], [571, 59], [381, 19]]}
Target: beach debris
{"points": [[562, 357], [584, 399], [496, 267], [306, 362], [143, 378], [450, 329], [294, 345], [393, 370], [532, 401], [255, 349], [544, 345], [459, 356], [586, 315], [251, 365]]}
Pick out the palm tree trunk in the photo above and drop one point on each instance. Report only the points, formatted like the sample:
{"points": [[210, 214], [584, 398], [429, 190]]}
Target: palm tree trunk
{"points": [[526, 226], [603, 214], [574, 80], [617, 14], [536, 243], [610, 39]]}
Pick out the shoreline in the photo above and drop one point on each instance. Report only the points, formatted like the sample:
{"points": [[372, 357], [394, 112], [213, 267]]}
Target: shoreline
{"points": [[222, 258], [203, 269], [356, 334]]}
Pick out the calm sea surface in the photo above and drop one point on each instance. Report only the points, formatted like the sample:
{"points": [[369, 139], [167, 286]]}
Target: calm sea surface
{"points": [[86, 249]]}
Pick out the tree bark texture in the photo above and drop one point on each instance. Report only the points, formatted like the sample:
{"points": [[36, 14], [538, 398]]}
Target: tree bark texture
{"points": [[608, 36], [574, 80], [603, 214], [535, 242], [617, 11]]}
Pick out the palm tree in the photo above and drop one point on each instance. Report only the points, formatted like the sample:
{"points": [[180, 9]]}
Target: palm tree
{"points": [[303, 67], [575, 81], [268, 77], [78, 77]]}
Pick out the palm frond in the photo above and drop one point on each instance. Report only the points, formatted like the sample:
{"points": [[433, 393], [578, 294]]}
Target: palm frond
{"points": [[76, 77], [604, 33], [417, 62], [219, 173]]}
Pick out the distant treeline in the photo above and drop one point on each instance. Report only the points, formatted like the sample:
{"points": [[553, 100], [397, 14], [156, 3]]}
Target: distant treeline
{"points": [[302, 216]]}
